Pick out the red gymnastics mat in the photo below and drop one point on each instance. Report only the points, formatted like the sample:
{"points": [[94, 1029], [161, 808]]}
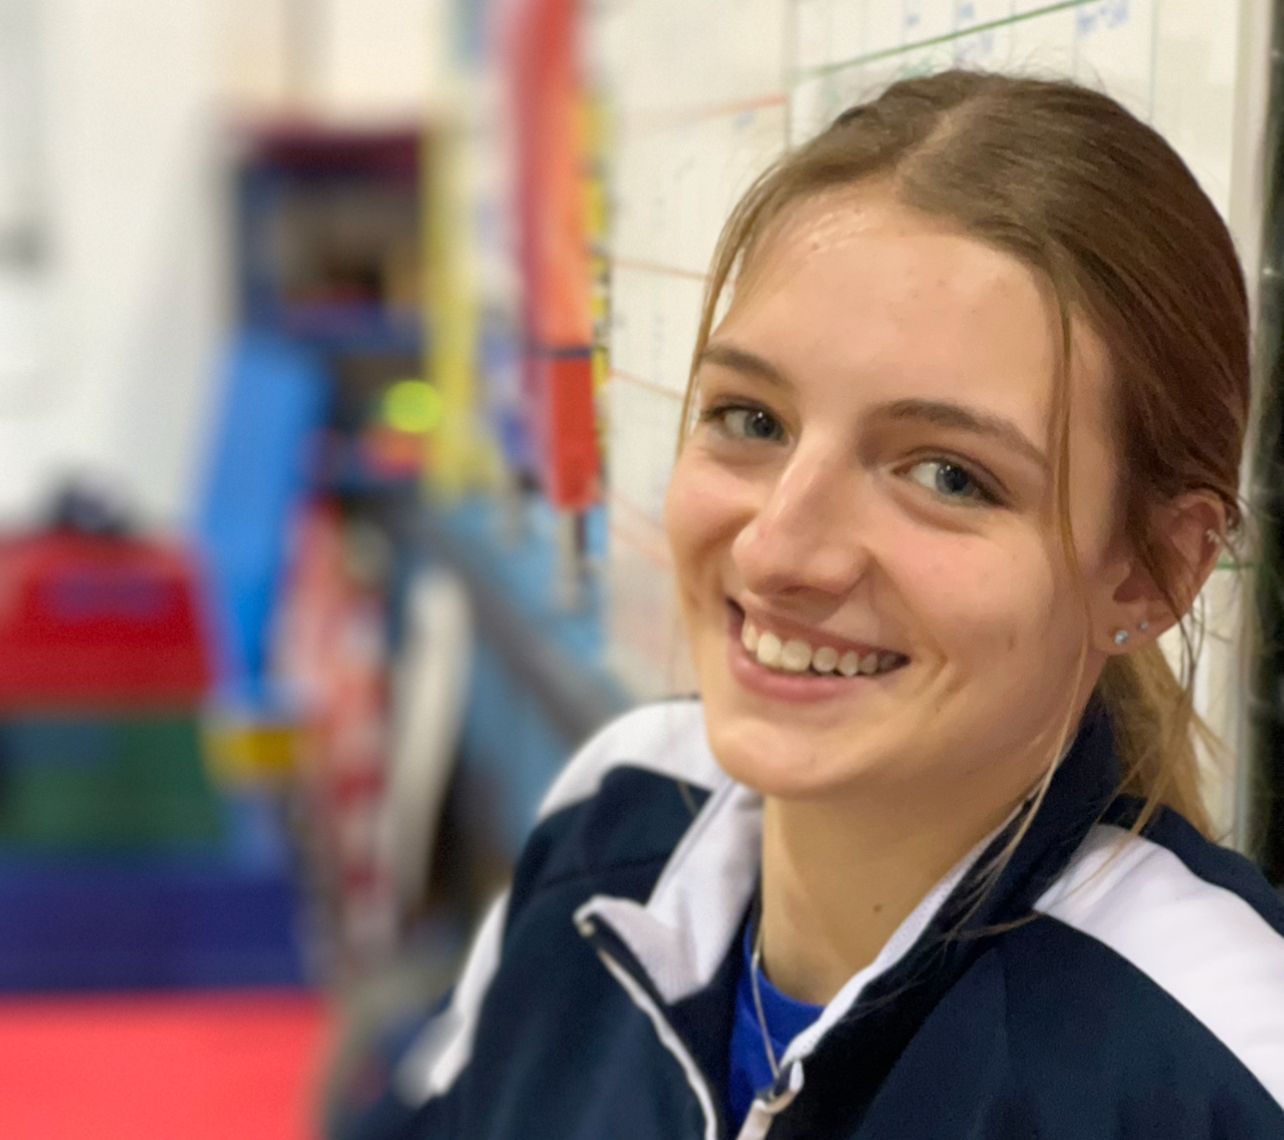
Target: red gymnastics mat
{"points": [[161, 1067]]}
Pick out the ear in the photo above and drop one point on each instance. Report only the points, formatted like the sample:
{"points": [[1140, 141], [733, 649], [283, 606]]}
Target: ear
{"points": [[1192, 527]]}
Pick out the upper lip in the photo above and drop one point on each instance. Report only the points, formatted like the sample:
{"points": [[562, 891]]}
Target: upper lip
{"points": [[785, 629]]}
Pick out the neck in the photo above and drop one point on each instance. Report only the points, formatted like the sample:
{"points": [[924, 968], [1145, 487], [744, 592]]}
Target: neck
{"points": [[839, 876]]}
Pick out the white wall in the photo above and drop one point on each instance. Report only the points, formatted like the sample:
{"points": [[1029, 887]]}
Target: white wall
{"points": [[23, 267], [134, 289], [348, 60]]}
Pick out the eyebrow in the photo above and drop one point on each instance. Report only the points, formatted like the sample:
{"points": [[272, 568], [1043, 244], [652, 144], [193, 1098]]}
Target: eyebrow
{"points": [[740, 360], [938, 413], [948, 414]]}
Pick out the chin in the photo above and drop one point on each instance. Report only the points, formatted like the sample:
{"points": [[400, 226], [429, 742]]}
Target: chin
{"points": [[791, 756]]}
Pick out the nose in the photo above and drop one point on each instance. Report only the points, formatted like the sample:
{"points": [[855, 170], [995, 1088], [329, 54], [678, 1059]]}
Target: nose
{"points": [[807, 533]]}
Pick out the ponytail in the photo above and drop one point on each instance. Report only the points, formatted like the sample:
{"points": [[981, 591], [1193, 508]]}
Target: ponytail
{"points": [[1158, 733]]}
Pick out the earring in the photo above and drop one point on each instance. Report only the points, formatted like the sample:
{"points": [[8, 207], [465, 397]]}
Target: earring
{"points": [[1121, 636], [1145, 625]]}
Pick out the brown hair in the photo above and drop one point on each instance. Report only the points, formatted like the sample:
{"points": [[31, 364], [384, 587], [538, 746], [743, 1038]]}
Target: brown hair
{"points": [[1096, 202]]}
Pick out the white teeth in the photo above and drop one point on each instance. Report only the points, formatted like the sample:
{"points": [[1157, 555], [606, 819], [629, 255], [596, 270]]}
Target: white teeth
{"points": [[768, 651], [825, 659], [795, 656]]}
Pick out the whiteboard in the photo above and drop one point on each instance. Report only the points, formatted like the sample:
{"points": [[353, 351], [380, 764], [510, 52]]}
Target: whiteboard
{"points": [[707, 92]]}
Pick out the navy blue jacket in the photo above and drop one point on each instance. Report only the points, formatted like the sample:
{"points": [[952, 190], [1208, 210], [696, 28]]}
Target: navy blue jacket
{"points": [[1142, 997]]}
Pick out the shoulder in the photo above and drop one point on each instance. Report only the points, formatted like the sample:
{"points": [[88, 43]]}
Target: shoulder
{"points": [[665, 740], [1159, 958], [609, 822], [622, 802]]}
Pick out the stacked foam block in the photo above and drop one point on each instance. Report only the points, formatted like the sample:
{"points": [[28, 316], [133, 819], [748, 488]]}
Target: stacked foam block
{"points": [[122, 864]]}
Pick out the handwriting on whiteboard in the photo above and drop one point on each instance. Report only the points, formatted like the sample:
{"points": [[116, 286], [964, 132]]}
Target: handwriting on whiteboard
{"points": [[1102, 16]]}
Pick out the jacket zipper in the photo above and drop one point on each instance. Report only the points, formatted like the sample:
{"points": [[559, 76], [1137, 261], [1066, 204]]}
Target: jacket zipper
{"points": [[664, 1031]]}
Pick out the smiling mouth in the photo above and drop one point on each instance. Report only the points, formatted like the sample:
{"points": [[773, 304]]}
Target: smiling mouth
{"points": [[794, 656]]}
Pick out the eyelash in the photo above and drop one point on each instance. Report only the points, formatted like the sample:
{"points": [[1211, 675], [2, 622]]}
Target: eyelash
{"points": [[986, 494], [718, 413]]}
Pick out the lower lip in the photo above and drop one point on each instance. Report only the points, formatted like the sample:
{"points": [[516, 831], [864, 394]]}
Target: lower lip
{"points": [[794, 688]]}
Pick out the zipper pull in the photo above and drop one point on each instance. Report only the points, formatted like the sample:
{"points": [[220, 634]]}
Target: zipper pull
{"points": [[762, 1112], [785, 1090]]}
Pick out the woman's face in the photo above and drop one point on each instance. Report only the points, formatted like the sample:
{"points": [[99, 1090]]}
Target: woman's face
{"points": [[862, 520]]}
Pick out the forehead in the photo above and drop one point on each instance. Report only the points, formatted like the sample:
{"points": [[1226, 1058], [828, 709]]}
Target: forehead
{"points": [[853, 287]]}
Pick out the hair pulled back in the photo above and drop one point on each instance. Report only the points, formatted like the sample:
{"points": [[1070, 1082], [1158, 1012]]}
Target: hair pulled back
{"points": [[1101, 207]]}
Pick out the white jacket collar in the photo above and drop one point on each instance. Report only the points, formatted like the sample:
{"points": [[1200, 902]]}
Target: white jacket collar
{"points": [[684, 931]]}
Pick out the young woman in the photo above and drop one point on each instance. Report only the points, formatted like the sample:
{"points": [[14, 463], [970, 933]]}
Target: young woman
{"points": [[927, 858]]}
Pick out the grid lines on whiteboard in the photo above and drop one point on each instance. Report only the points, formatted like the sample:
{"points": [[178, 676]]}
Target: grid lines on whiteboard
{"points": [[846, 52]]}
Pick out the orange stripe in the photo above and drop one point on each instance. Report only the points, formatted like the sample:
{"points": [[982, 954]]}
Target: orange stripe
{"points": [[652, 385], [657, 267], [659, 120]]}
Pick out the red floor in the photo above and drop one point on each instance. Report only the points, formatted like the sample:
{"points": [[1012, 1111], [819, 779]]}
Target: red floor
{"points": [[241, 1065]]}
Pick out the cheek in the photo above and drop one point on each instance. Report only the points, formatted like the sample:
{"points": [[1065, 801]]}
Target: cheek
{"points": [[977, 598], [704, 508]]}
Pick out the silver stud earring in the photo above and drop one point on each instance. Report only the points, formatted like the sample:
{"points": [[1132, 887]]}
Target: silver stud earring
{"points": [[1121, 636], [1145, 625]]}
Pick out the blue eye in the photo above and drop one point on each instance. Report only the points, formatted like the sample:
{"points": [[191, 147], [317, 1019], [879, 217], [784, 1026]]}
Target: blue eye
{"points": [[951, 481], [740, 422]]}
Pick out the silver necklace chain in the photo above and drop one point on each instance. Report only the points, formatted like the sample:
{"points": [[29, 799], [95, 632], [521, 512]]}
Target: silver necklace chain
{"points": [[755, 965]]}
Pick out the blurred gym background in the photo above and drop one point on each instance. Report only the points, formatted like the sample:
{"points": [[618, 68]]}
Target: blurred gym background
{"points": [[310, 574]]}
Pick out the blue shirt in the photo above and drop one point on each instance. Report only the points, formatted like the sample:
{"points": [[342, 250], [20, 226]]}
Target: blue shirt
{"points": [[749, 1070]]}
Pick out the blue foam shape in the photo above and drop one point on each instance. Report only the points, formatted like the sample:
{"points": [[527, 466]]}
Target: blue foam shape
{"points": [[519, 753], [526, 572], [275, 400], [133, 925]]}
